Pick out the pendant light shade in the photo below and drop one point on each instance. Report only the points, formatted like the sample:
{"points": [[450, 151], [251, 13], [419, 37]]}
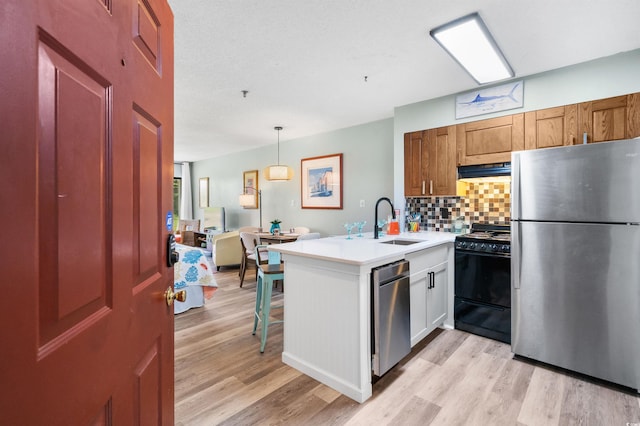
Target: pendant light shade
{"points": [[278, 172]]}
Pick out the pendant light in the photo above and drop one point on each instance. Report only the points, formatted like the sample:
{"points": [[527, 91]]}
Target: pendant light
{"points": [[278, 172]]}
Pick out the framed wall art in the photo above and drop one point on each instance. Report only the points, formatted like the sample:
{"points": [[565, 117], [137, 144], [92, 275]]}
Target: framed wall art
{"points": [[204, 192], [321, 182], [250, 186], [492, 99]]}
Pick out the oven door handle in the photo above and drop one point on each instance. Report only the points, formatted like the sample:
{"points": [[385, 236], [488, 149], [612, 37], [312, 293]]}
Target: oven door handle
{"points": [[483, 305], [481, 253]]}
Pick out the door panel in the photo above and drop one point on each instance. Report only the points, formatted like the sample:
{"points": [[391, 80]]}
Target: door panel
{"points": [[70, 292], [87, 188], [442, 155], [577, 298], [583, 183], [437, 297], [418, 298], [551, 127], [490, 141], [414, 156], [610, 118], [147, 145]]}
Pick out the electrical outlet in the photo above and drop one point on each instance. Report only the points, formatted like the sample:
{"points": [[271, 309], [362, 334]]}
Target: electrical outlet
{"points": [[361, 203], [293, 203]]}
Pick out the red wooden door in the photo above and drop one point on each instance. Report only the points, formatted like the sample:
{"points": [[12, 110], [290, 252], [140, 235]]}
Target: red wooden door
{"points": [[86, 100]]}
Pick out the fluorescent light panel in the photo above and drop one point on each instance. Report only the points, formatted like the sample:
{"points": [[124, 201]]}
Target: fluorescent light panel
{"points": [[469, 42]]}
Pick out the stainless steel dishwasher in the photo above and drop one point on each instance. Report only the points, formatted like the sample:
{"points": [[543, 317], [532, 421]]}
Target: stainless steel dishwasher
{"points": [[390, 315]]}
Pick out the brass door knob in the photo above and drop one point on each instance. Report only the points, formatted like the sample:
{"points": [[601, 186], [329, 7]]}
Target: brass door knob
{"points": [[170, 296]]}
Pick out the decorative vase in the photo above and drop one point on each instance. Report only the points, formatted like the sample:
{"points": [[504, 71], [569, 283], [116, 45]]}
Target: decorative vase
{"points": [[274, 226]]}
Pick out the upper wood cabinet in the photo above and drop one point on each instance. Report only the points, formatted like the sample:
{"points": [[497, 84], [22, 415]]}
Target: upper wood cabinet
{"points": [[431, 156], [429, 162], [414, 164], [490, 141], [441, 174], [609, 119], [551, 127]]}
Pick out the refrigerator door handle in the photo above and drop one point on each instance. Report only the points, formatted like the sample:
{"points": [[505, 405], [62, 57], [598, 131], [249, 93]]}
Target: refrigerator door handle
{"points": [[515, 185], [516, 255]]}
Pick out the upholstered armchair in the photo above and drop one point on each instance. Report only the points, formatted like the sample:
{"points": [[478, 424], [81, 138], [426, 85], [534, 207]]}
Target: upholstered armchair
{"points": [[226, 249]]}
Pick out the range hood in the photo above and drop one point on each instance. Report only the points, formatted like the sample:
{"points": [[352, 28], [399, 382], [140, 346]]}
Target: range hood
{"points": [[484, 171]]}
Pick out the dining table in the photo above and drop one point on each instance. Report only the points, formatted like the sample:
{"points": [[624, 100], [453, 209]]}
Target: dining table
{"points": [[269, 238]]}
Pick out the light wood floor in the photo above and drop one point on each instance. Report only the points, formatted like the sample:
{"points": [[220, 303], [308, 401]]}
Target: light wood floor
{"points": [[455, 379]]}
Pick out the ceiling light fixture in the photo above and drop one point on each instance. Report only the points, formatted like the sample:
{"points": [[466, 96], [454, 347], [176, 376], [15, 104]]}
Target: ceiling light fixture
{"points": [[278, 172], [471, 45]]}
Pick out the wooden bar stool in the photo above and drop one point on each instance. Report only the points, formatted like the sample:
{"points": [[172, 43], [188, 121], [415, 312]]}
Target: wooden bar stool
{"points": [[267, 274]]}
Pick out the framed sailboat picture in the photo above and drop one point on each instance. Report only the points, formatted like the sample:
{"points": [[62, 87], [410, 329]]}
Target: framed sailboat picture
{"points": [[321, 182]]}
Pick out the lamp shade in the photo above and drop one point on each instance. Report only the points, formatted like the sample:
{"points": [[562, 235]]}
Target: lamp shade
{"points": [[247, 199], [276, 173]]}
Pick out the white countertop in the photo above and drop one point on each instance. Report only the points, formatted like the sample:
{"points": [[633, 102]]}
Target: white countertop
{"points": [[363, 250]]}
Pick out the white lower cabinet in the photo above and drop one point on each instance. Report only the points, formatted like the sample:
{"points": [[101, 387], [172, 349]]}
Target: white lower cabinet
{"points": [[428, 291], [418, 293], [437, 296]]}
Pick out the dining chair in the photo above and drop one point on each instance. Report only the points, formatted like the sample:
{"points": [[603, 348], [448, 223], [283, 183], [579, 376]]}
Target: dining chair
{"points": [[264, 256], [267, 274], [249, 241]]}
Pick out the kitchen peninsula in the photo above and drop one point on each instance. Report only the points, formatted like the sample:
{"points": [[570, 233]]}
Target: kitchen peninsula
{"points": [[327, 303]]}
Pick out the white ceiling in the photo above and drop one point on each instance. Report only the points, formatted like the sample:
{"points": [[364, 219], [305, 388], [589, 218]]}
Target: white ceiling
{"points": [[304, 62]]}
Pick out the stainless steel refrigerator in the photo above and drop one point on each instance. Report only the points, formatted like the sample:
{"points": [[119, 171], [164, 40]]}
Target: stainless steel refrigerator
{"points": [[575, 262]]}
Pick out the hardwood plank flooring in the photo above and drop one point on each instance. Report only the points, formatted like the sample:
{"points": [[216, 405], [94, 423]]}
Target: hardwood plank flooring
{"points": [[451, 378]]}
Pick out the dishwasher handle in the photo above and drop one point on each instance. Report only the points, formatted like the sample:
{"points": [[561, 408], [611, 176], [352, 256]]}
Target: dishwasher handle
{"points": [[390, 272]]}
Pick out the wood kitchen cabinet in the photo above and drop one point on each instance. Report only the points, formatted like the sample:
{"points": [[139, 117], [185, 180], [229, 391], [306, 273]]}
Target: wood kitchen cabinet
{"points": [[551, 127], [429, 162], [428, 287], [609, 119], [414, 164], [490, 141]]}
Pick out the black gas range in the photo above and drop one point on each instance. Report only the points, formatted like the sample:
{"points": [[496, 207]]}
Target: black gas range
{"points": [[485, 238], [483, 281]]}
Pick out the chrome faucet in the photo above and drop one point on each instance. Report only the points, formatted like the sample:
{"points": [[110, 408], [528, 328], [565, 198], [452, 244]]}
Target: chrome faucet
{"points": [[377, 229]]}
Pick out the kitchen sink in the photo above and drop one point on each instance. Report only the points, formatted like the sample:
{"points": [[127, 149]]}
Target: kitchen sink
{"points": [[399, 242]]}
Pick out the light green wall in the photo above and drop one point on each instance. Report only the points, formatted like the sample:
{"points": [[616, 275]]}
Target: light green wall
{"points": [[367, 175], [611, 76], [374, 152]]}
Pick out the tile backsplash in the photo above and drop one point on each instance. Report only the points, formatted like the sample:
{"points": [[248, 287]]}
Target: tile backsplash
{"points": [[484, 201]]}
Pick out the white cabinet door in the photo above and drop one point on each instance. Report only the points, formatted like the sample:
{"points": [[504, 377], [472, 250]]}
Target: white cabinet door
{"points": [[428, 290], [418, 294], [436, 295]]}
